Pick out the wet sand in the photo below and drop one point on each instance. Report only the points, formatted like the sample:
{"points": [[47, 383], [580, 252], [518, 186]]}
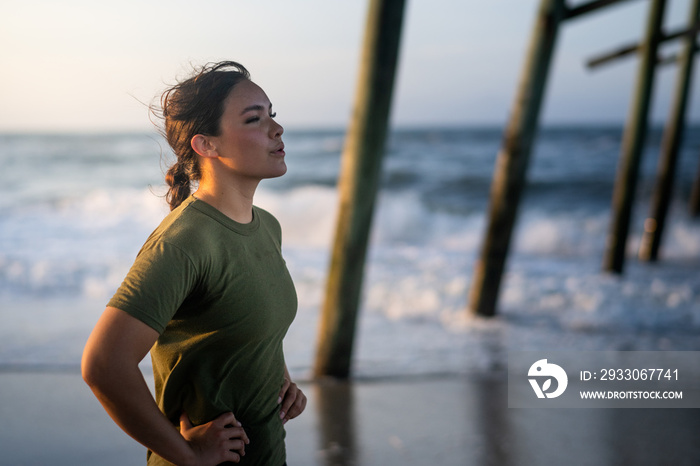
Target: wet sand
{"points": [[52, 418]]}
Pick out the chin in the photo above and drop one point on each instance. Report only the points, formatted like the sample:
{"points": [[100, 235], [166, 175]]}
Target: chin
{"points": [[279, 172]]}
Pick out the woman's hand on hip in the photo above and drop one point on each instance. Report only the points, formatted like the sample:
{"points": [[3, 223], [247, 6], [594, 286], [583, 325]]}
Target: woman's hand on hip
{"points": [[292, 399], [215, 442]]}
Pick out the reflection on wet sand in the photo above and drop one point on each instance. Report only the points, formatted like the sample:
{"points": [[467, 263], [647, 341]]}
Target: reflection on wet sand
{"points": [[335, 411], [450, 421], [466, 421]]}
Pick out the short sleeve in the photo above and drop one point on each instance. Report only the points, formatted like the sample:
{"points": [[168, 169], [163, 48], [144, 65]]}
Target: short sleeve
{"points": [[160, 279]]}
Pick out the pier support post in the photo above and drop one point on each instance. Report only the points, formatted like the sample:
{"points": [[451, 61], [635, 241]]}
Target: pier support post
{"points": [[694, 207], [672, 140], [358, 186], [633, 142], [511, 165]]}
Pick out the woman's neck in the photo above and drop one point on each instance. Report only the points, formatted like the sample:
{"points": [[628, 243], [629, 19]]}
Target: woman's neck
{"points": [[233, 200]]}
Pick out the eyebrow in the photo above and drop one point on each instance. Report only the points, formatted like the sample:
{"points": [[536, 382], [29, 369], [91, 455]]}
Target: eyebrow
{"points": [[255, 108]]}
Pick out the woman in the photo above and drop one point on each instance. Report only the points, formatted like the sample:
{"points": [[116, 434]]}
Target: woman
{"points": [[209, 293]]}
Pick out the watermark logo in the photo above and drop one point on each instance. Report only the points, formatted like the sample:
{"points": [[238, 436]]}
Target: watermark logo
{"points": [[544, 371]]}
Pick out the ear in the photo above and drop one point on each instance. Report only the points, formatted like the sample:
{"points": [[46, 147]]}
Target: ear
{"points": [[203, 146]]}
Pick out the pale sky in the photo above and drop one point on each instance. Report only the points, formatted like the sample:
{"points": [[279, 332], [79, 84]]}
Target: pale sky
{"points": [[78, 65]]}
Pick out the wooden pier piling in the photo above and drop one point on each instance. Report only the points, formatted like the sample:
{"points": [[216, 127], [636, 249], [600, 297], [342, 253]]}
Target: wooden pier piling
{"points": [[694, 205], [672, 139], [358, 186], [513, 159], [633, 142], [511, 165]]}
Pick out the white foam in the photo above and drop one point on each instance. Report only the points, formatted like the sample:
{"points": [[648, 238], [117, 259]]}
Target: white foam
{"points": [[419, 267]]}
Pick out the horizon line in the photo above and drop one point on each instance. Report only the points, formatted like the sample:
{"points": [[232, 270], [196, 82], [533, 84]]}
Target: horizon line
{"points": [[334, 128]]}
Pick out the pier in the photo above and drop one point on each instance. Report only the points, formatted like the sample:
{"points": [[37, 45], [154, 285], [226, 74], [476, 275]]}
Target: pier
{"points": [[362, 159]]}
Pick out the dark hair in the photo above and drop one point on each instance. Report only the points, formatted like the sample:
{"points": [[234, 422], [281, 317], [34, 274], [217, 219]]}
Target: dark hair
{"points": [[192, 107]]}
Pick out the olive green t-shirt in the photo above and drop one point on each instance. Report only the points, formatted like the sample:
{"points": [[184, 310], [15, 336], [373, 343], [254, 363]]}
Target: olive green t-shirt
{"points": [[220, 295]]}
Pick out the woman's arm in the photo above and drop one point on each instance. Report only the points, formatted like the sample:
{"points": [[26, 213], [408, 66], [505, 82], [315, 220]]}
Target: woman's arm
{"points": [[110, 362], [291, 398]]}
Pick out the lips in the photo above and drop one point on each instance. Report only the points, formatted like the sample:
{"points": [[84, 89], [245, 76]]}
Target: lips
{"points": [[279, 150]]}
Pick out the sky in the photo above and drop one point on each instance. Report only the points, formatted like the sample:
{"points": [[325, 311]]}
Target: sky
{"points": [[86, 66]]}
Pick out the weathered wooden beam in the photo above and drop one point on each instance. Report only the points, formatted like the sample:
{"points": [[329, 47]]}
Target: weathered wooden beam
{"points": [[672, 140], [629, 49], [580, 10], [512, 162], [633, 143], [358, 185], [694, 204], [608, 57]]}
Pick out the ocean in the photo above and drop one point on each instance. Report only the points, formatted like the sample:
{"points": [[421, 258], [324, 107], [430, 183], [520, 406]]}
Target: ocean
{"points": [[75, 209]]}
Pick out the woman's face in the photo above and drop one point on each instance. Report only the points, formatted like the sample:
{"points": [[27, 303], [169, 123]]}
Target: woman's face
{"points": [[250, 140]]}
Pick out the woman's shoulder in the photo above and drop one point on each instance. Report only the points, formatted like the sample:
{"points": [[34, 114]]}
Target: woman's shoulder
{"points": [[265, 216], [267, 219], [182, 227]]}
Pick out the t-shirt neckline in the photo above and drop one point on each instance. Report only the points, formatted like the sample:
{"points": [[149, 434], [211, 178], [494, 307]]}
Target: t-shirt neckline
{"points": [[225, 220]]}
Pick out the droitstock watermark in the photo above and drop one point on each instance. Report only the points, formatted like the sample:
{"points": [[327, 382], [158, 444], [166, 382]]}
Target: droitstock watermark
{"points": [[604, 379]]}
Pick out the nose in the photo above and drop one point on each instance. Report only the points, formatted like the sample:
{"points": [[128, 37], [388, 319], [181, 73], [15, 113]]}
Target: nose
{"points": [[276, 129]]}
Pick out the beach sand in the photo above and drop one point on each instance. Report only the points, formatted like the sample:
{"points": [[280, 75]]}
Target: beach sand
{"points": [[52, 418]]}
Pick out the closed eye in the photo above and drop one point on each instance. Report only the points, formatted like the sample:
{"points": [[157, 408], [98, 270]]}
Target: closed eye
{"points": [[255, 118]]}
